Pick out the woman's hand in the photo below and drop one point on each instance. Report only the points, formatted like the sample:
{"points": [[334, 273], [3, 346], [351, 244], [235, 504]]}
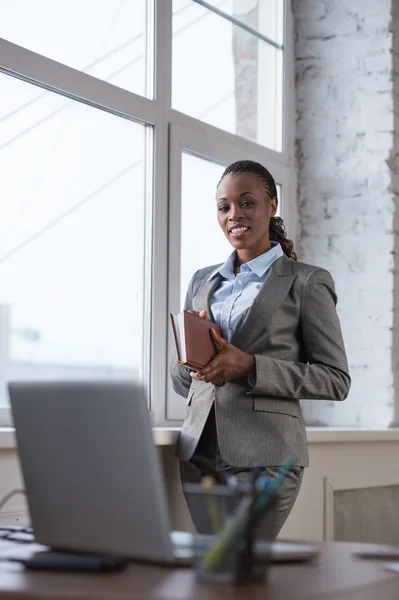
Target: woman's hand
{"points": [[230, 363], [201, 313]]}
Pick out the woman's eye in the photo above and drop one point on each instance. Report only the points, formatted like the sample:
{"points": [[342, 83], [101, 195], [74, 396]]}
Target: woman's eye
{"points": [[247, 203], [223, 208]]}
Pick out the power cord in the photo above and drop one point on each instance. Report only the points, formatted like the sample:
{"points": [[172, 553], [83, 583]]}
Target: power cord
{"points": [[23, 535], [10, 495]]}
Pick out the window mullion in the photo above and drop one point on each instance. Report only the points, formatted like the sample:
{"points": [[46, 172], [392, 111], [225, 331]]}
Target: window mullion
{"points": [[159, 323]]}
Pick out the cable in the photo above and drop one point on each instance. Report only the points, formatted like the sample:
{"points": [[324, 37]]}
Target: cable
{"points": [[11, 533], [10, 495]]}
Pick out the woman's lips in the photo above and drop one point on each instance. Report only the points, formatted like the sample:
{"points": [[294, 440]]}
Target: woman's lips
{"points": [[239, 232]]}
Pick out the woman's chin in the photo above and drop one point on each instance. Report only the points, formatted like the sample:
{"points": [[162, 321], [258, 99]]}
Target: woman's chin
{"points": [[240, 244]]}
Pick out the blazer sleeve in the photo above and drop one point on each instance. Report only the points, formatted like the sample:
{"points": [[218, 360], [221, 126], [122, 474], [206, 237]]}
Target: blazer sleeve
{"points": [[180, 375], [326, 374]]}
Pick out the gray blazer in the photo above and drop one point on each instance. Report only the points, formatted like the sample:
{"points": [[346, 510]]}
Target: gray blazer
{"points": [[292, 329]]}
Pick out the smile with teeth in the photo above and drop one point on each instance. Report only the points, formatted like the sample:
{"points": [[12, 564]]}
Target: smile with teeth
{"points": [[238, 230]]}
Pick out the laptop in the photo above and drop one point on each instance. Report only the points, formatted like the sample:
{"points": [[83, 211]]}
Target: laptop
{"points": [[92, 473]]}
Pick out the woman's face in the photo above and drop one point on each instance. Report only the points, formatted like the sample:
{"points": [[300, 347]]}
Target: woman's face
{"points": [[244, 210]]}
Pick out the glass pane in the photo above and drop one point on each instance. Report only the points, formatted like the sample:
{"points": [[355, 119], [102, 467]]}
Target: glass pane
{"points": [[202, 241], [265, 16], [105, 39], [198, 226], [220, 83], [72, 216]]}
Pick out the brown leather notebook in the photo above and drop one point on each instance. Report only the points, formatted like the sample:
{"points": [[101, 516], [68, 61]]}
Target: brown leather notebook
{"points": [[194, 345]]}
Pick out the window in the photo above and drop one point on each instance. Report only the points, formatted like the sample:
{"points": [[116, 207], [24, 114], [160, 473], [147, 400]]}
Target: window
{"points": [[68, 237], [266, 17], [197, 163], [110, 40], [202, 242], [228, 66], [109, 145]]}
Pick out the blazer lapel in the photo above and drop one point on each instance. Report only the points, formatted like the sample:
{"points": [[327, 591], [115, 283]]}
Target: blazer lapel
{"points": [[274, 290], [201, 299]]}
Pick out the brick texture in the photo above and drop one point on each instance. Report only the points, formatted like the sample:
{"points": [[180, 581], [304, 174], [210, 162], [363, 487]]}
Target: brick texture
{"points": [[347, 57]]}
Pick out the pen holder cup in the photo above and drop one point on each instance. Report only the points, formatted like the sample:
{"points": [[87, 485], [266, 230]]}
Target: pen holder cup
{"points": [[226, 549]]}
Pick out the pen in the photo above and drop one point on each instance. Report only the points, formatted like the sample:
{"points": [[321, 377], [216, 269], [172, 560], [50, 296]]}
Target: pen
{"points": [[235, 526], [272, 485]]}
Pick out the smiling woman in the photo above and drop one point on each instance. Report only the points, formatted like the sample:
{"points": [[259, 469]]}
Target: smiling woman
{"points": [[281, 342]]}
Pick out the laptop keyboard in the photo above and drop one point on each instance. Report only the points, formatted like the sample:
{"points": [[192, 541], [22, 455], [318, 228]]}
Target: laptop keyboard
{"points": [[22, 535]]}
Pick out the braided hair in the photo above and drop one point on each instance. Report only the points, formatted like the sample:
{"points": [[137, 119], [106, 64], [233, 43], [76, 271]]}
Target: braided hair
{"points": [[277, 231]]}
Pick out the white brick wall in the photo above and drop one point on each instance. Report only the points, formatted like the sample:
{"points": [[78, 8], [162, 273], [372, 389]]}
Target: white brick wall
{"points": [[394, 168], [348, 184]]}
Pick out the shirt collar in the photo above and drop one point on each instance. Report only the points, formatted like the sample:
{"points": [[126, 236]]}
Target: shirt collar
{"points": [[258, 265]]}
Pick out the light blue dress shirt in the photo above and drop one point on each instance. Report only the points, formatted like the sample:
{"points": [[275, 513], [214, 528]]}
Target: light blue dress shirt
{"points": [[235, 294]]}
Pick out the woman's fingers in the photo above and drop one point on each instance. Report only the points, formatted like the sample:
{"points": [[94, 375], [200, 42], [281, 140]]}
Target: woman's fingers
{"points": [[196, 375], [201, 313]]}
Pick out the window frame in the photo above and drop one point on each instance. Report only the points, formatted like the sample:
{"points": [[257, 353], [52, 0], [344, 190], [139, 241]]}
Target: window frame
{"points": [[173, 132]]}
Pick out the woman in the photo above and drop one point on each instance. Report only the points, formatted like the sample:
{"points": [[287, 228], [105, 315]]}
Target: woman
{"points": [[281, 342]]}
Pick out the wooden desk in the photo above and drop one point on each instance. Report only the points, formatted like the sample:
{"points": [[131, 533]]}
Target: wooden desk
{"points": [[336, 574]]}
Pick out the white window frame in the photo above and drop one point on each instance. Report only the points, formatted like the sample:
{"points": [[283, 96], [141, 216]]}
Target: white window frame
{"points": [[173, 132]]}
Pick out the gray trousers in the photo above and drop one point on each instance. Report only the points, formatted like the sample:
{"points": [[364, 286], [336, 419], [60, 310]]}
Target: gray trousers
{"points": [[208, 461]]}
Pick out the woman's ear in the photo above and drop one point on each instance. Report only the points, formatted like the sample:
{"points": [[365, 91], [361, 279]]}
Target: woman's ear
{"points": [[273, 206]]}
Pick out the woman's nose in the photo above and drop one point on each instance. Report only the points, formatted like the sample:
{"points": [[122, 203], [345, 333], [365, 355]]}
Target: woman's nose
{"points": [[235, 213]]}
